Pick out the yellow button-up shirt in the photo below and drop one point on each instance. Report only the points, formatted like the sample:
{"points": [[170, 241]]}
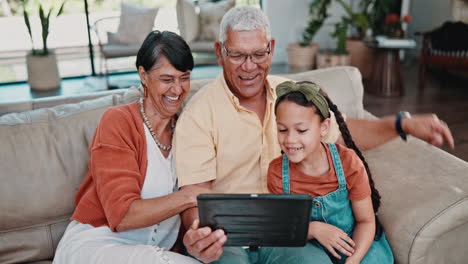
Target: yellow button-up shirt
{"points": [[216, 139]]}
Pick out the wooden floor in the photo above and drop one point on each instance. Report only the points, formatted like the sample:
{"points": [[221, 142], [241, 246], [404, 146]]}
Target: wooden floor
{"points": [[445, 94]]}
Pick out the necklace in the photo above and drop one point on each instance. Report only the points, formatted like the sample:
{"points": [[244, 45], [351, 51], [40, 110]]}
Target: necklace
{"points": [[150, 128]]}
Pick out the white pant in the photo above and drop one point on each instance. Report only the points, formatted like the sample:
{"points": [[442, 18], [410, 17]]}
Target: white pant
{"points": [[82, 244]]}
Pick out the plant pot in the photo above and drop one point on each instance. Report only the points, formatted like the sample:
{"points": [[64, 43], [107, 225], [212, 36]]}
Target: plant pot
{"points": [[302, 57], [362, 57], [43, 74], [328, 59]]}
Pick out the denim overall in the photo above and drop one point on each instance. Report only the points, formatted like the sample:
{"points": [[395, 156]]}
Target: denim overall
{"points": [[335, 208]]}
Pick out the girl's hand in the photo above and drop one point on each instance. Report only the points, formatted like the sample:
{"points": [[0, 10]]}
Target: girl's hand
{"points": [[332, 238], [352, 260]]}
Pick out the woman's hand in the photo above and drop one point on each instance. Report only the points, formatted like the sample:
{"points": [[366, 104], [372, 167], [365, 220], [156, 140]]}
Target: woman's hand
{"points": [[204, 244], [332, 238]]}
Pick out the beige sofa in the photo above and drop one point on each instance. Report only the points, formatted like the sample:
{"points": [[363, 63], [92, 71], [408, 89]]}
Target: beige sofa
{"points": [[44, 159]]}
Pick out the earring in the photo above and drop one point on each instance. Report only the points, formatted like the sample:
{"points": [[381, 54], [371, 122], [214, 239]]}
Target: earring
{"points": [[145, 93]]}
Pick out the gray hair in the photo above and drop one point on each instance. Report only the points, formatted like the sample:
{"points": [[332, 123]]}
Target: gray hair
{"points": [[244, 18]]}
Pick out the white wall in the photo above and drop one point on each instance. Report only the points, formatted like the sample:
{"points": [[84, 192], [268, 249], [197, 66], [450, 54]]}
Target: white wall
{"points": [[427, 15], [288, 19]]}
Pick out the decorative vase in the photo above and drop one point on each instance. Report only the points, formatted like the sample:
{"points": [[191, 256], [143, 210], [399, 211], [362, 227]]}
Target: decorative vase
{"points": [[330, 59], [302, 57], [43, 73]]}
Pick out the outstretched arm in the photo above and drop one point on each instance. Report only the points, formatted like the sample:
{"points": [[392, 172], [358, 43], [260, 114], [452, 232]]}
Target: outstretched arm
{"points": [[368, 134], [203, 243]]}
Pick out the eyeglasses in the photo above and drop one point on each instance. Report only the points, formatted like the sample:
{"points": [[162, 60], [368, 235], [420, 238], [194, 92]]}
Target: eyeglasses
{"points": [[257, 57]]}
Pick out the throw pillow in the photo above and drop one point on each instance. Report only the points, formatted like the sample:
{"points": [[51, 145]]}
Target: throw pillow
{"points": [[135, 23], [210, 18], [187, 18]]}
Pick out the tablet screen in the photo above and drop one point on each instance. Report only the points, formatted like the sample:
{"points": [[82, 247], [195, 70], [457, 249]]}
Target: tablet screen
{"points": [[273, 220]]}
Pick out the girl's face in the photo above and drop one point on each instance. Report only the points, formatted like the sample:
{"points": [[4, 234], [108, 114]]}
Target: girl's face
{"points": [[299, 130]]}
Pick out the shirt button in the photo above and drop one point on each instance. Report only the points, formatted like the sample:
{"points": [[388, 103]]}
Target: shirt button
{"points": [[153, 239], [317, 204], [155, 230]]}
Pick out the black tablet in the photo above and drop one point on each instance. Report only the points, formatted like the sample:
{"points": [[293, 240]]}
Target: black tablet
{"points": [[272, 220]]}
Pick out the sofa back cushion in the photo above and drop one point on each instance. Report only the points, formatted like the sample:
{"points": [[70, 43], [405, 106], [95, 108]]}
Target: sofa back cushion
{"points": [[135, 23], [211, 15], [187, 19], [342, 84], [44, 155], [43, 161]]}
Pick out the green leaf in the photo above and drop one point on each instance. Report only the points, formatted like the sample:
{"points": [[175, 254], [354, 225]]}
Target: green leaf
{"points": [[317, 15], [50, 12], [26, 21], [41, 13], [28, 25], [61, 8]]}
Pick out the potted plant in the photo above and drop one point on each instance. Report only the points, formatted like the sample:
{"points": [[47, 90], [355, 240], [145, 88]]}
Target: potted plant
{"points": [[394, 25], [41, 64], [302, 55], [340, 56], [364, 22]]}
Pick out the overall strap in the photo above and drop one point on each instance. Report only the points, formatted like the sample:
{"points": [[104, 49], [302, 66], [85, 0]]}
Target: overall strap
{"points": [[285, 175], [338, 166]]}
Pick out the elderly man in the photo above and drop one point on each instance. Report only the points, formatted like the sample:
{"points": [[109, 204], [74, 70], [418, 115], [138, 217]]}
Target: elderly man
{"points": [[226, 136]]}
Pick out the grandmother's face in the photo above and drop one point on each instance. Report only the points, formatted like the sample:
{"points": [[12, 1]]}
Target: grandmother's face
{"points": [[166, 87]]}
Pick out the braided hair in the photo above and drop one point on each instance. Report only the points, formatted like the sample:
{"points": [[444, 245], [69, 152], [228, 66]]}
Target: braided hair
{"points": [[300, 99]]}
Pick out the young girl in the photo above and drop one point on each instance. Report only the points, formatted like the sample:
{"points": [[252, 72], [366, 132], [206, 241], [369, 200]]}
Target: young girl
{"points": [[343, 222]]}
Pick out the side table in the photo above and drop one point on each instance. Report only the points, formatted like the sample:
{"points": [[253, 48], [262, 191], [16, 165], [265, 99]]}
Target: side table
{"points": [[386, 78]]}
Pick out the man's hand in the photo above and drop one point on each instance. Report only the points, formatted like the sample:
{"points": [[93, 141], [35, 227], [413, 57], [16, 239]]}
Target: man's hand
{"points": [[202, 243], [332, 238], [429, 128]]}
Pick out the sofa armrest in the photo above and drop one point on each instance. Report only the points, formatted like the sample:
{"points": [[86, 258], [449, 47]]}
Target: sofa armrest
{"points": [[424, 200]]}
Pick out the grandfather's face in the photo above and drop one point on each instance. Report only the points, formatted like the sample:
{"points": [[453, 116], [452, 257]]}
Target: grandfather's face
{"points": [[245, 78]]}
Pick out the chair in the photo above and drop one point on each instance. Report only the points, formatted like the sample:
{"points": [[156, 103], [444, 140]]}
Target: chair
{"points": [[109, 46], [122, 36], [198, 22], [445, 47]]}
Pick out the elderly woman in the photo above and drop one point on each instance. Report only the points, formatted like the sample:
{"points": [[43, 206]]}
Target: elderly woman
{"points": [[127, 209]]}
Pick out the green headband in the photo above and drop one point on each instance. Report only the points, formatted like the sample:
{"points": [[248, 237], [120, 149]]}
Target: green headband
{"points": [[309, 90]]}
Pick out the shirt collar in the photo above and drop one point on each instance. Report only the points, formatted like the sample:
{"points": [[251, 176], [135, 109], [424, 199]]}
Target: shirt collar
{"points": [[271, 95]]}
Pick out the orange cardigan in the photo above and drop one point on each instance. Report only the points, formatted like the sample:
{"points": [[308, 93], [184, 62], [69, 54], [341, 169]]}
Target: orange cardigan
{"points": [[117, 168]]}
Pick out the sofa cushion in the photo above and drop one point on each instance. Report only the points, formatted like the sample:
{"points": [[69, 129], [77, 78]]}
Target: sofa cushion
{"points": [[187, 17], [210, 18], [44, 160], [343, 85], [202, 46], [424, 201], [135, 23], [120, 50]]}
